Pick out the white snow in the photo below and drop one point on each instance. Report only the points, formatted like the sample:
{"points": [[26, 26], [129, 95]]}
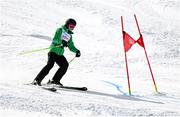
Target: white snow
{"points": [[28, 25]]}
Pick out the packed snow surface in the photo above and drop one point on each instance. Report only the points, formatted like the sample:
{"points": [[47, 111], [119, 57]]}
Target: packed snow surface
{"points": [[30, 24]]}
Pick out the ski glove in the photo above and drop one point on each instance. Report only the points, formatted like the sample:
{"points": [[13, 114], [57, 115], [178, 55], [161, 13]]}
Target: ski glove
{"points": [[64, 43], [78, 53]]}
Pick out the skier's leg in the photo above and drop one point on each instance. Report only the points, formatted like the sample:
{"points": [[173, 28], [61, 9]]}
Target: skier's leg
{"points": [[63, 64], [46, 68]]}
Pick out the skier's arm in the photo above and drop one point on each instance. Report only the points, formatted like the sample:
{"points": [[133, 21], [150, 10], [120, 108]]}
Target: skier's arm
{"points": [[72, 47], [56, 40]]}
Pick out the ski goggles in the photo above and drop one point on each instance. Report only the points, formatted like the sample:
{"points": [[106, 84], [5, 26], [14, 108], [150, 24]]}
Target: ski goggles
{"points": [[72, 26]]}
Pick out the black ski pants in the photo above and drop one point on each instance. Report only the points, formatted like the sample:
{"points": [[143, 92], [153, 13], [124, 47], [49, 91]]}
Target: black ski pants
{"points": [[52, 58]]}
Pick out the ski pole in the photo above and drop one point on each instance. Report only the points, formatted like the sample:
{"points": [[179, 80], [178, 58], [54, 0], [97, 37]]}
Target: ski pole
{"points": [[71, 60], [31, 51], [36, 50]]}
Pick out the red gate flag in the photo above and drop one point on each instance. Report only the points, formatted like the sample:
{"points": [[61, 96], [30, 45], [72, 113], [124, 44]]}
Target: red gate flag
{"points": [[128, 41], [140, 41]]}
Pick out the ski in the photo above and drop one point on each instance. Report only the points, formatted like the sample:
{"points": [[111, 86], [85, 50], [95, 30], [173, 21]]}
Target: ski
{"points": [[66, 87], [73, 88], [54, 88], [49, 88]]}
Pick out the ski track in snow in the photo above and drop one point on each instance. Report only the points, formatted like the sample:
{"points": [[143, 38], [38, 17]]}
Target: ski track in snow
{"points": [[28, 25]]}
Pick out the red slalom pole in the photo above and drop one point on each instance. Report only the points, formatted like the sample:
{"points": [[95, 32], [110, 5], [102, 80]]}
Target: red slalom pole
{"points": [[137, 24], [151, 70], [129, 87], [122, 24], [146, 56]]}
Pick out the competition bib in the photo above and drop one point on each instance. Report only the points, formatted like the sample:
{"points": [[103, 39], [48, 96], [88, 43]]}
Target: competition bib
{"points": [[65, 36]]}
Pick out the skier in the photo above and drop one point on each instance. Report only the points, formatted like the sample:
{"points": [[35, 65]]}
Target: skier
{"points": [[61, 40]]}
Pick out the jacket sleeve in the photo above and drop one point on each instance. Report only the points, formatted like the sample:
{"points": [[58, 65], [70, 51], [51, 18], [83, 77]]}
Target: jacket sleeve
{"points": [[56, 40], [71, 46]]}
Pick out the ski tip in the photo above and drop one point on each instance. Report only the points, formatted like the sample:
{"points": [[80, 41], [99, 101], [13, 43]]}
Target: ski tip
{"points": [[84, 88], [50, 89], [53, 89]]}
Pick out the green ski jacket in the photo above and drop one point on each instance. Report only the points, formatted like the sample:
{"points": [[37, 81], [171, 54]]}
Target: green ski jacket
{"points": [[62, 34]]}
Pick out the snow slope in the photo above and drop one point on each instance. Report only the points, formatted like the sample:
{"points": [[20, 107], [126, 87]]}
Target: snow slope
{"points": [[28, 25]]}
